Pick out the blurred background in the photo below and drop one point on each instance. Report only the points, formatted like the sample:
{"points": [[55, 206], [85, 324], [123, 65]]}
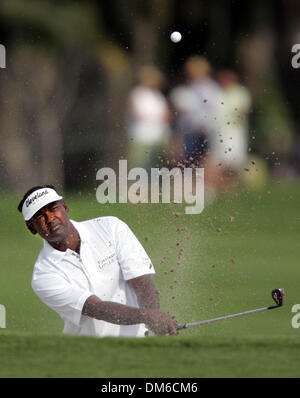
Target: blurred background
{"points": [[72, 99]]}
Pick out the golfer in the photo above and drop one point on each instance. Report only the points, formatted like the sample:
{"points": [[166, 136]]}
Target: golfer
{"points": [[95, 274]]}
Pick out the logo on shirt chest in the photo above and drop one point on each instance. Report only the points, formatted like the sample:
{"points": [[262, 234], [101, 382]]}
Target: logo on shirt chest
{"points": [[112, 258]]}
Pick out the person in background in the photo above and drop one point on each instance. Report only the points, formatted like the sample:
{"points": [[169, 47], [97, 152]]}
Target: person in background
{"points": [[148, 126], [229, 147], [195, 107]]}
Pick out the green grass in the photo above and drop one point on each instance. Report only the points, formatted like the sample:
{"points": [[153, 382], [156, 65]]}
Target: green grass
{"points": [[241, 247], [73, 356]]}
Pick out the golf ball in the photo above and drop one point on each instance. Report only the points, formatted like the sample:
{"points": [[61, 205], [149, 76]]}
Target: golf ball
{"points": [[175, 37]]}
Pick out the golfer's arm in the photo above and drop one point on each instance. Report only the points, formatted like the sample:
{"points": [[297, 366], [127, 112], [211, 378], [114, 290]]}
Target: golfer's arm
{"points": [[112, 312], [145, 291], [121, 314]]}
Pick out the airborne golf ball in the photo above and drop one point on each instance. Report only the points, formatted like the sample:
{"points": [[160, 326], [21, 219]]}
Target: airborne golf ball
{"points": [[175, 37]]}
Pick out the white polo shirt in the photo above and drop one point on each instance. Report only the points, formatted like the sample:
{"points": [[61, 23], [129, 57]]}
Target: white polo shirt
{"points": [[110, 255]]}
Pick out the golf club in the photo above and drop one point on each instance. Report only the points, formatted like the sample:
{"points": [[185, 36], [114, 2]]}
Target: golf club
{"points": [[278, 296]]}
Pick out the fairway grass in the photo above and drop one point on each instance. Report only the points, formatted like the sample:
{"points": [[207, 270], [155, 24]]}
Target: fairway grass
{"points": [[48, 356]]}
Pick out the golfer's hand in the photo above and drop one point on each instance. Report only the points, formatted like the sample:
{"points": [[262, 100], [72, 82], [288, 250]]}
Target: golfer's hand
{"points": [[160, 323]]}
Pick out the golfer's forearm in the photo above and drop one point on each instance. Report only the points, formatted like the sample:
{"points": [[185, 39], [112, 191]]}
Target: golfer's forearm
{"points": [[149, 299], [116, 313], [146, 293]]}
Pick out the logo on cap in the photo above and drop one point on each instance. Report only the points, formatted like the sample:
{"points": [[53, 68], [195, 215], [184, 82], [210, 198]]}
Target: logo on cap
{"points": [[38, 195]]}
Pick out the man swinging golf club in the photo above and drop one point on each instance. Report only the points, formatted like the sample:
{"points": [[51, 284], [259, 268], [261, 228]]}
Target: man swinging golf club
{"points": [[95, 274]]}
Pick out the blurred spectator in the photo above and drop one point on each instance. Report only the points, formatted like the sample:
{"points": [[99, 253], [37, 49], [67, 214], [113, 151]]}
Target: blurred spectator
{"points": [[229, 148], [195, 105], [148, 124]]}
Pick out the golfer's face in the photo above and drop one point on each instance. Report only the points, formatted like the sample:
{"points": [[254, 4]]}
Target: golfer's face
{"points": [[52, 222]]}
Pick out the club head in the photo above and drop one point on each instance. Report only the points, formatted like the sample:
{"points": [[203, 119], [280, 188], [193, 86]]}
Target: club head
{"points": [[278, 295]]}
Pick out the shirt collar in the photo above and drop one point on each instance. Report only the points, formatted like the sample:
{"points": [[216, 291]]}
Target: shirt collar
{"points": [[57, 255], [82, 230]]}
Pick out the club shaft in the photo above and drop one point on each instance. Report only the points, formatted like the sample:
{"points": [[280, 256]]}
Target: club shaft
{"points": [[199, 323]]}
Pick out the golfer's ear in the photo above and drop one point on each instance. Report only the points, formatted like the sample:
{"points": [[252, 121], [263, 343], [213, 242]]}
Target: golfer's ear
{"points": [[65, 207], [30, 227]]}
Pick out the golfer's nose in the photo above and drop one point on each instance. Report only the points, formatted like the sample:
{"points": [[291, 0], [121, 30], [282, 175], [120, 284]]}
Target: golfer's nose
{"points": [[49, 216]]}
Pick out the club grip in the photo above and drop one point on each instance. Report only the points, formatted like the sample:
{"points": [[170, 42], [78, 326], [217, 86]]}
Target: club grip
{"points": [[180, 327]]}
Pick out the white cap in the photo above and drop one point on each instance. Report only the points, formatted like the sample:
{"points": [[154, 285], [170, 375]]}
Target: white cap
{"points": [[38, 199]]}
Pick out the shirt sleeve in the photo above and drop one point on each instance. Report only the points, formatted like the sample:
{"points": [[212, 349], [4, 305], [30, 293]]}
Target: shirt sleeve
{"points": [[132, 257], [61, 296]]}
